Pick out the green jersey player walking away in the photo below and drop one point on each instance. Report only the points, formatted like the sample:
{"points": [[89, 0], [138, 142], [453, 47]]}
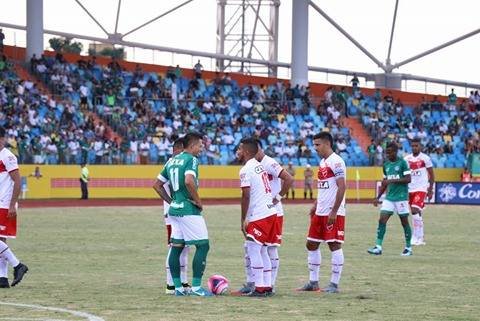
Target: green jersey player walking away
{"points": [[188, 225], [396, 176]]}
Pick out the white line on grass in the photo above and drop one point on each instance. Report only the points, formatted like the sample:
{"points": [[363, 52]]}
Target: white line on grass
{"points": [[88, 316]]}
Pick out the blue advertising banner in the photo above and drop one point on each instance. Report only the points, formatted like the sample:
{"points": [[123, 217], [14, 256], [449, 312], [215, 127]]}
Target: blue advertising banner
{"points": [[457, 193]]}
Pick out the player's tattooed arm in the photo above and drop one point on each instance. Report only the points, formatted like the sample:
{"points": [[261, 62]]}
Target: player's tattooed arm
{"points": [[159, 187]]}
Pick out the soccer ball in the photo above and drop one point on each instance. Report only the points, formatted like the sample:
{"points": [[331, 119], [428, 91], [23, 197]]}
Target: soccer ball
{"points": [[218, 284]]}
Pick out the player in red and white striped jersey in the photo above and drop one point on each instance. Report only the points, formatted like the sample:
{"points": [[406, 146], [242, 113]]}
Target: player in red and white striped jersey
{"points": [[327, 223], [258, 219], [420, 188], [280, 182], [9, 193], [177, 149]]}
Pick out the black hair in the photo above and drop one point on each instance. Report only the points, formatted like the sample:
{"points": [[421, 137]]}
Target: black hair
{"points": [[393, 146], [179, 142], [191, 138], [416, 140], [2, 131], [325, 136], [250, 144]]}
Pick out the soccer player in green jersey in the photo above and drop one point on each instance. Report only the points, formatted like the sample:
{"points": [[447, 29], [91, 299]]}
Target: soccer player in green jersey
{"points": [[188, 225], [396, 176]]}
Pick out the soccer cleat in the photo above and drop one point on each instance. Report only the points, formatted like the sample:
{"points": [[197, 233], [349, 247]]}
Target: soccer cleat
{"points": [[257, 294], [245, 289], [201, 292], [269, 292], [407, 251], [4, 283], [181, 292], [311, 286], [170, 289], [418, 242], [18, 273], [375, 250], [331, 288]]}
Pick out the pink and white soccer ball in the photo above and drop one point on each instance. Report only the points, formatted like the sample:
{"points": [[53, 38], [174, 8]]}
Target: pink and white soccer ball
{"points": [[218, 284]]}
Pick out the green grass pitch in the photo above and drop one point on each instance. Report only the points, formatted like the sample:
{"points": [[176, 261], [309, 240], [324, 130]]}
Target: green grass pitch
{"points": [[110, 262]]}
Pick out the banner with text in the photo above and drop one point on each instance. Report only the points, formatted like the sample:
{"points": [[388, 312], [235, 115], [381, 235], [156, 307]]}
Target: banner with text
{"points": [[458, 193]]}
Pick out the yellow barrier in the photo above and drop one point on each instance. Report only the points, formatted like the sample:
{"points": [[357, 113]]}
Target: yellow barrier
{"points": [[121, 181]]}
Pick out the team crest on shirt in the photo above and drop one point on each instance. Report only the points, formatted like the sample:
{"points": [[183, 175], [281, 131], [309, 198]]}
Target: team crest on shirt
{"points": [[397, 168]]}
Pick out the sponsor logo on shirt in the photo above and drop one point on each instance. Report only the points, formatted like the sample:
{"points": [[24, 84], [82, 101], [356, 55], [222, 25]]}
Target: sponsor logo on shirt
{"points": [[323, 185], [259, 169]]}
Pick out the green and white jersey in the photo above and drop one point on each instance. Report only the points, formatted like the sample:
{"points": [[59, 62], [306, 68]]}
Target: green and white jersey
{"points": [[174, 173], [396, 170]]}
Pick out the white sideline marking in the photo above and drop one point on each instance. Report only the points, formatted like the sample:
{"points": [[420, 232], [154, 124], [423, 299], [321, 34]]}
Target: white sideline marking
{"points": [[88, 316], [31, 319]]}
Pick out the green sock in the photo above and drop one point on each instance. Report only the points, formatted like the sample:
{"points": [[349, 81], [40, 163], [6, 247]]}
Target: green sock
{"points": [[199, 263], [408, 235], [382, 228], [174, 262]]}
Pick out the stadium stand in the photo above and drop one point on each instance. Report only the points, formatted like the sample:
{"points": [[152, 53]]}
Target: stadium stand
{"points": [[105, 114]]}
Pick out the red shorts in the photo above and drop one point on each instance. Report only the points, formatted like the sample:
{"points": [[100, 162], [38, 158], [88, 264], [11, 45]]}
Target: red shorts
{"points": [[319, 232], [264, 231], [278, 229], [169, 233], [417, 199], [8, 227]]}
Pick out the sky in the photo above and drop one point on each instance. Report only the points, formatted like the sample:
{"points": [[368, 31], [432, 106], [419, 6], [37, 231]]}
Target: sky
{"points": [[420, 26]]}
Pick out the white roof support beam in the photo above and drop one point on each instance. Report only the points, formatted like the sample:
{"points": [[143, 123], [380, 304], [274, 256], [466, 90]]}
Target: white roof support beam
{"points": [[92, 17]]}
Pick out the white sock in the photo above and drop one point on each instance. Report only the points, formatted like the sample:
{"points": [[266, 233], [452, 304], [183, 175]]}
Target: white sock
{"points": [[273, 254], [184, 264], [255, 254], [267, 268], [3, 268], [248, 270], [314, 261], [167, 268], [8, 255], [417, 226], [337, 266]]}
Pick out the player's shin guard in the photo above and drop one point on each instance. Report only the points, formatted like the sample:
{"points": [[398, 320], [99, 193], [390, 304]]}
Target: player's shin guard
{"points": [[255, 254], [274, 259], [174, 263], [199, 264], [248, 270], [8, 255], [3, 268], [382, 228], [167, 268], [267, 268], [184, 264], [337, 266], [408, 235], [314, 261]]}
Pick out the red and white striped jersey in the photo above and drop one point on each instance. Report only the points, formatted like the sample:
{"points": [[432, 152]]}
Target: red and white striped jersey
{"points": [[329, 171], [253, 175], [8, 163], [273, 168], [418, 166]]}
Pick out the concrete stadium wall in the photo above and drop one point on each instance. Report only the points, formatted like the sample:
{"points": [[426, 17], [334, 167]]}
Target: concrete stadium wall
{"points": [[121, 181]]}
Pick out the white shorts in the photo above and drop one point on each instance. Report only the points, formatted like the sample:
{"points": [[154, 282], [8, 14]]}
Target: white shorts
{"points": [[188, 229], [279, 209], [401, 207]]}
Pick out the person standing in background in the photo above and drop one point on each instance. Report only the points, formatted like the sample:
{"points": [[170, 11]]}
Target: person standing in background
{"points": [[84, 177], [291, 171], [308, 174]]}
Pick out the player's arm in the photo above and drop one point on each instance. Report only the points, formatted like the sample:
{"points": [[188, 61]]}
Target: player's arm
{"points": [[191, 186], [287, 182], [245, 204], [383, 188], [15, 176], [431, 182], [159, 187], [342, 187]]}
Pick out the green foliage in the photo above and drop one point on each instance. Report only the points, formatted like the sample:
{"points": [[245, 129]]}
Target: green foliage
{"points": [[117, 53], [65, 45]]}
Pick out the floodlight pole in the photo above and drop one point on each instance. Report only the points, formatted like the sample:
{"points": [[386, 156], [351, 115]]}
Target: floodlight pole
{"points": [[34, 28], [299, 74], [388, 62]]}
